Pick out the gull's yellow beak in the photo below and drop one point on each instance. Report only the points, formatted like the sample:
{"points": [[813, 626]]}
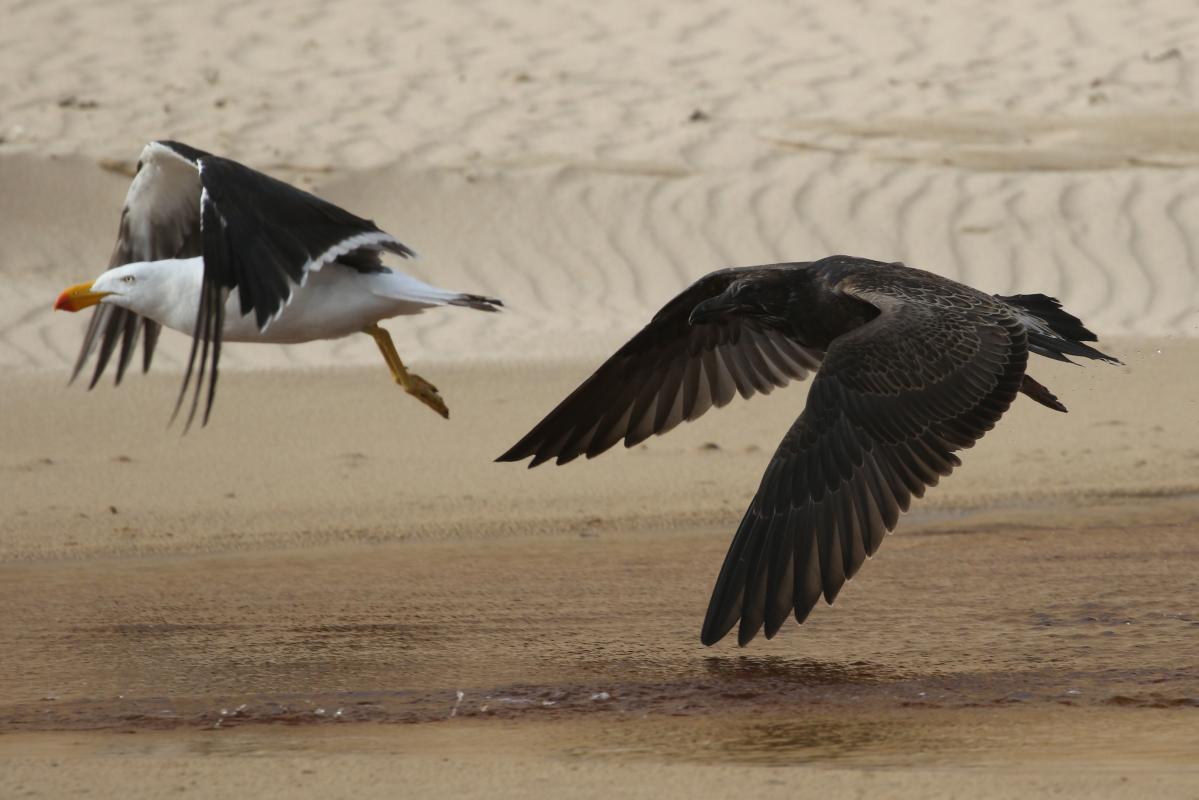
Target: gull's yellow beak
{"points": [[78, 297]]}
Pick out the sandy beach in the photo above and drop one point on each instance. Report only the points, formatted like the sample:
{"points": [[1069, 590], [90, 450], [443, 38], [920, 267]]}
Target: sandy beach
{"points": [[329, 591]]}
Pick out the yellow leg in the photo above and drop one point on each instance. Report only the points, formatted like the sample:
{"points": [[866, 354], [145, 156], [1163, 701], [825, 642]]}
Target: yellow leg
{"points": [[414, 385]]}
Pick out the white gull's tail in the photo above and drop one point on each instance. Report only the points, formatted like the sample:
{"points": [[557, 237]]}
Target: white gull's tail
{"points": [[398, 286]]}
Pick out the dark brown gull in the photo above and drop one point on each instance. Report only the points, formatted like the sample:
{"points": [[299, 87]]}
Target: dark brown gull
{"points": [[910, 368]]}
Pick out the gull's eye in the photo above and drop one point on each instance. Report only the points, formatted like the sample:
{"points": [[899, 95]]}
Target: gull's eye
{"points": [[127, 279]]}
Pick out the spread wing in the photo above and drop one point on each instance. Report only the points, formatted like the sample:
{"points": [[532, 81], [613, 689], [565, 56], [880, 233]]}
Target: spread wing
{"points": [[160, 220], [892, 402], [261, 237], [258, 236], [669, 372]]}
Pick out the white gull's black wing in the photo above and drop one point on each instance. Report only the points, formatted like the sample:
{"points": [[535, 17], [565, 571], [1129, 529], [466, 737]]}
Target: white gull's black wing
{"points": [[891, 403], [261, 237], [669, 372], [160, 220], [257, 234]]}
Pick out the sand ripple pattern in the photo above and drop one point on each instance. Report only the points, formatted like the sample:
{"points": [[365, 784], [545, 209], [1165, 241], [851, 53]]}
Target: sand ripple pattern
{"points": [[583, 257], [363, 83], [585, 164]]}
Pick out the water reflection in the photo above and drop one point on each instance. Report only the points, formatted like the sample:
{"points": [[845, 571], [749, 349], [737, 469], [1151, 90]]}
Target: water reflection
{"points": [[793, 704], [757, 670]]}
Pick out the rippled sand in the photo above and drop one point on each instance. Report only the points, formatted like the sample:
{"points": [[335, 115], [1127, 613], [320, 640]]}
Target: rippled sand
{"points": [[585, 166]]}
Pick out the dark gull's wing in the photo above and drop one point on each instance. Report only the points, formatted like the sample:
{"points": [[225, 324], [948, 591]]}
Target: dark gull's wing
{"points": [[261, 237], [160, 220], [891, 403], [669, 372]]}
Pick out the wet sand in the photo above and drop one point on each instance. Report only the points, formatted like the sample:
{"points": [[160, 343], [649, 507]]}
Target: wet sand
{"points": [[965, 661], [967, 757], [603, 623], [266, 605]]}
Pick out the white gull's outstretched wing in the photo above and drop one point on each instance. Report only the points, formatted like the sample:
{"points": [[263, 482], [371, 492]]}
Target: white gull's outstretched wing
{"points": [[261, 237], [258, 236], [160, 220]]}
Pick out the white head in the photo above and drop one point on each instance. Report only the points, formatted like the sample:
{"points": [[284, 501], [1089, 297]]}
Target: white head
{"points": [[154, 289]]}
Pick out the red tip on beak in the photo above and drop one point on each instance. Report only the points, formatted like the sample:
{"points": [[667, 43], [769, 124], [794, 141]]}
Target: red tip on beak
{"points": [[78, 297]]}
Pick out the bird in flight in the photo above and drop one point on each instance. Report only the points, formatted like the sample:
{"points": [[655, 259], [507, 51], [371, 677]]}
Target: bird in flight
{"points": [[212, 248], [910, 368]]}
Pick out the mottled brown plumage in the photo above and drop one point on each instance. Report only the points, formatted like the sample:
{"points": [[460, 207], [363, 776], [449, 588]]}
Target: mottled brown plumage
{"points": [[912, 368]]}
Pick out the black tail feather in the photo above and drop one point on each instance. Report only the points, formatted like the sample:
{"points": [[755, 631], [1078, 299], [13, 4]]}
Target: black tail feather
{"points": [[477, 301], [1066, 335], [1038, 392]]}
